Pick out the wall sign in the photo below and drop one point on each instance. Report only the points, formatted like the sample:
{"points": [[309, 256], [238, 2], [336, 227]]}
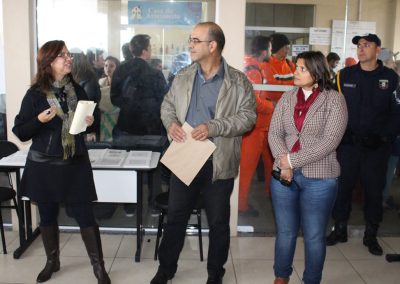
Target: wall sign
{"points": [[164, 13]]}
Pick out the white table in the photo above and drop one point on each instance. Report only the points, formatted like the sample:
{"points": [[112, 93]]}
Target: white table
{"points": [[117, 184]]}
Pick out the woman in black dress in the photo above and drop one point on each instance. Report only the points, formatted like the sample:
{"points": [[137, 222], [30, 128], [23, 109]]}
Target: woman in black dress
{"points": [[58, 168]]}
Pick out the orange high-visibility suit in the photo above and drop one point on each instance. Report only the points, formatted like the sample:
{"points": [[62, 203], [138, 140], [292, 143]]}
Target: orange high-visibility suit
{"points": [[254, 143], [278, 72]]}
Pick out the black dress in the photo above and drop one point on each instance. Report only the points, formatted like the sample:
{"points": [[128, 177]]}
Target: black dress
{"points": [[47, 177]]}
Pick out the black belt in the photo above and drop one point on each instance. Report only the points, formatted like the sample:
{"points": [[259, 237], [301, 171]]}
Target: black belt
{"points": [[39, 157]]}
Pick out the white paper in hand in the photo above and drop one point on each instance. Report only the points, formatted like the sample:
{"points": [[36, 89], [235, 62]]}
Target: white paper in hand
{"points": [[83, 109]]}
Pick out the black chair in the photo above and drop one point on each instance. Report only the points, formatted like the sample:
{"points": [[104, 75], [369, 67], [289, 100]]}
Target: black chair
{"points": [[7, 191], [161, 203]]}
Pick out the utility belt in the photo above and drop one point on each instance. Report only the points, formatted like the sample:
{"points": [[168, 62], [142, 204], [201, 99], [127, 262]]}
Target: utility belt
{"points": [[370, 141]]}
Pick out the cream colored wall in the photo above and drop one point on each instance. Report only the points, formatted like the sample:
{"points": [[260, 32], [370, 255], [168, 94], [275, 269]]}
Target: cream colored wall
{"points": [[19, 68], [383, 12], [232, 24], [19, 56], [396, 32]]}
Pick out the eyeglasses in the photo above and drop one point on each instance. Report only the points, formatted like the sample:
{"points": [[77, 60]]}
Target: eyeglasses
{"points": [[276, 174], [301, 69], [195, 40], [66, 55]]}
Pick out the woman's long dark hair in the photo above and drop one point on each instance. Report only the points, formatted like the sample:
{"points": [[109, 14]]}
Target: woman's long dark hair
{"points": [[317, 65], [46, 55]]}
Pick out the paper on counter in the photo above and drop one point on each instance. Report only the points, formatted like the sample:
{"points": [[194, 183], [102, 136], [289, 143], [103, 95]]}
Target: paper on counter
{"points": [[138, 159], [83, 109], [186, 159]]}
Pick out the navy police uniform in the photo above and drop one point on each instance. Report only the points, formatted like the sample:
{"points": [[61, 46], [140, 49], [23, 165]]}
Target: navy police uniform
{"points": [[374, 122]]}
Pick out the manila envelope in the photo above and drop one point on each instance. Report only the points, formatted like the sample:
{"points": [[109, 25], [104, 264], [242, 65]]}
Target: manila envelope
{"points": [[187, 158]]}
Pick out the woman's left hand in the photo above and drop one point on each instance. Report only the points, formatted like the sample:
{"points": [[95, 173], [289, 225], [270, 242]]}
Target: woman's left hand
{"points": [[286, 170], [284, 162], [89, 120], [287, 174]]}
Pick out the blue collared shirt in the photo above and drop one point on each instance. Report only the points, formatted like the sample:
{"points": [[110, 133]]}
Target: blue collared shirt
{"points": [[204, 97]]}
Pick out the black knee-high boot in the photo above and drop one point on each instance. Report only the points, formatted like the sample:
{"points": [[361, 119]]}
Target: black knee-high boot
{"points": [[91, 238], [51, 242]]}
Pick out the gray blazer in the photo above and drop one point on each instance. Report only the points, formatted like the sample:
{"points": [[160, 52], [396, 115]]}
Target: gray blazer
{"points": [[322, 131]]}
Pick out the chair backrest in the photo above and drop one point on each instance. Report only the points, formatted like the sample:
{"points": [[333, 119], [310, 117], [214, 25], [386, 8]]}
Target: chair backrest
{"points": [[7, 148], [98, 145]]}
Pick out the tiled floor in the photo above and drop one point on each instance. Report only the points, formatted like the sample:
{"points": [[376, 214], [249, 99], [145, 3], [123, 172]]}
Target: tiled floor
{"points": [[250, 261]]}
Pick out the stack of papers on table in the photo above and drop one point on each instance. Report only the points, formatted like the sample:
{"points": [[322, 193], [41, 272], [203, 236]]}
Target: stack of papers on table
{"points": [[107, 158], [138, 159]]}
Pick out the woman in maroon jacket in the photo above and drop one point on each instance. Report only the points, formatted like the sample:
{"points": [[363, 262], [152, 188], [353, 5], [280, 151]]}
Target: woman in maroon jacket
{"points": [[307, 126], [58, 168]]}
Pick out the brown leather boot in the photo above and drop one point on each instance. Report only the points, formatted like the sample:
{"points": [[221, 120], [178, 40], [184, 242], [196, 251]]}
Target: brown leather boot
{"points": [[91, 238], [51, 242], [280, 280]]}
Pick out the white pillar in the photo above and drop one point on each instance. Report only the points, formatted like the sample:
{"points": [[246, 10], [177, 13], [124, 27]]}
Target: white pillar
{"points": [[114, 24], [19, 58], [231, 16], [19, 49], [396, 34]]}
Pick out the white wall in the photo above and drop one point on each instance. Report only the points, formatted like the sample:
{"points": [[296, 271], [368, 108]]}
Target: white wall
{"points": [[232, 24], [19, 49]]}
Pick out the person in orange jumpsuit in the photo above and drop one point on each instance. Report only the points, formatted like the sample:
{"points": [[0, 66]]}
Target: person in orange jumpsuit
{"points": [[254, 142], [278, 70]]}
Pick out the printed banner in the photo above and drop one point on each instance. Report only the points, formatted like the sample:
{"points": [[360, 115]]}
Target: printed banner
{"points": [[164, 13]]}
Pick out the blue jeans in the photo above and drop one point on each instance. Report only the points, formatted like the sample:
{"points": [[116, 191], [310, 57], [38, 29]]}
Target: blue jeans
{"points": [[307, 205]]}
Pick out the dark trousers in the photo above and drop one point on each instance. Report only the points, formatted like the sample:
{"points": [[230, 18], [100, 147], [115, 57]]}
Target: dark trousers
{"points": [[182, 199], [82, 213], [369, 166]]}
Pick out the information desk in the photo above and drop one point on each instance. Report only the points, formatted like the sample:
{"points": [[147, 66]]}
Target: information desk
{"points": [[117, 182]]}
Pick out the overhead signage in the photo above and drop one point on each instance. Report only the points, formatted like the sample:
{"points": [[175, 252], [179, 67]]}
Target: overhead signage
{"points": [[154, 13]]}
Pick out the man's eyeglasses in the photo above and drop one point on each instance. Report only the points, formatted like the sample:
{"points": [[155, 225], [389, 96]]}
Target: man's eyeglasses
{"points": [[276, 174], [66, 55], [195, 40]]}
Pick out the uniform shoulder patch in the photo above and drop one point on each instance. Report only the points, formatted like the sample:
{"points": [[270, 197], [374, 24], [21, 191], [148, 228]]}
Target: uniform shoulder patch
{"points": [[383, 84]]}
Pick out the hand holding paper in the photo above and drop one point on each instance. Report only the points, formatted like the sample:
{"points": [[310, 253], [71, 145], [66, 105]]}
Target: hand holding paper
{"points": [[83, 109], [185, 159]]}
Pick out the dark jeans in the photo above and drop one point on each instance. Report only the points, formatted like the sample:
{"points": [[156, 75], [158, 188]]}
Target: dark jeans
{"points": [[182, 199], [82, 213], [369, 166]]}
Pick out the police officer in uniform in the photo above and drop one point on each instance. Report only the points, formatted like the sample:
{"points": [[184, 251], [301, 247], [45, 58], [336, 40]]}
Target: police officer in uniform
{"points": [[374, 121]]}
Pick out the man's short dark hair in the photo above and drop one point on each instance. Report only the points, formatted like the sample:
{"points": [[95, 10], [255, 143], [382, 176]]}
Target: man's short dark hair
{"points": [[215, 33], [259, 44], [139, 43], [332, 56]]}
